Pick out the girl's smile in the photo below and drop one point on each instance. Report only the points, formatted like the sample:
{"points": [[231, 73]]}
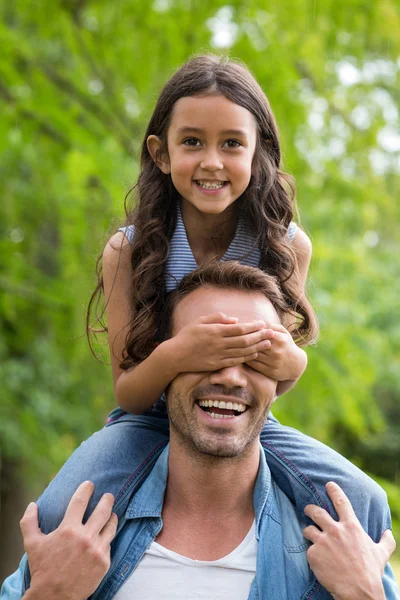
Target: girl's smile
{"points": [[211, 186]]}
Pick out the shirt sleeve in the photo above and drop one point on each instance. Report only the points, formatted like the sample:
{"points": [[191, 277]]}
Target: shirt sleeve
{"points": [[292, 230], [129, 232], [12, 586], [390, 584]]}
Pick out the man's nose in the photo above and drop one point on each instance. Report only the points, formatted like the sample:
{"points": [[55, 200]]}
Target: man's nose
{"points": [[229, 377], [211, 161]]}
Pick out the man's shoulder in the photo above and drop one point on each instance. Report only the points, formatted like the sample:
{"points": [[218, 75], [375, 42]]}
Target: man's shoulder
{"points": [[291, 523], [143, 493]]}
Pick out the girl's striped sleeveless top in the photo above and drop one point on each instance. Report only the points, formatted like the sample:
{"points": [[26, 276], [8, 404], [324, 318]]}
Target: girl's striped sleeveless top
{"points": [[181, 261]]}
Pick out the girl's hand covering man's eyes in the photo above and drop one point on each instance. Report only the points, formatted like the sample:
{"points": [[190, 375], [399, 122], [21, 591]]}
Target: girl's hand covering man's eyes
{"points": [[217, 341], [283, 361]]}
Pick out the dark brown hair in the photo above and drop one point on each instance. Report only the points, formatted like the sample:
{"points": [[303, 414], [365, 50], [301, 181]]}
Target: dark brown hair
{"points": [[267, 205], [230, 275]]}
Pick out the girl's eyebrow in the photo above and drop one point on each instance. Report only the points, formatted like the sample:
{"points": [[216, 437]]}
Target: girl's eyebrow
{"points": [[186, 129]]}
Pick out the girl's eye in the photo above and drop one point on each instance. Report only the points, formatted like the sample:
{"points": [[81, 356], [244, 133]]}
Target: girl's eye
{"points": [[191, 142], [233, 144]]}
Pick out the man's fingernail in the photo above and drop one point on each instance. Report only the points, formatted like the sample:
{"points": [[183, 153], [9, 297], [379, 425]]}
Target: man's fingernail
{"points": [[331, 485], [30, 506]]}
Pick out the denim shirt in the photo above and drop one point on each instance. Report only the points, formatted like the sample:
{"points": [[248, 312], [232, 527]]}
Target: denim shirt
{"points": [[282, 571]]}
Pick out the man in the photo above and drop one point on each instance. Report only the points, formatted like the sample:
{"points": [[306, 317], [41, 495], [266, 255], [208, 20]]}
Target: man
{"points": [[207, 520]]}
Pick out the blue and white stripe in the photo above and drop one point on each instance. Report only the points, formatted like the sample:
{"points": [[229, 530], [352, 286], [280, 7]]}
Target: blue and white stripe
{"points": [[181, 261]]}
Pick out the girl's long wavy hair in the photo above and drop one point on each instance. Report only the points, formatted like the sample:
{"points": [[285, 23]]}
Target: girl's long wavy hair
{"points": [[267, 205]]}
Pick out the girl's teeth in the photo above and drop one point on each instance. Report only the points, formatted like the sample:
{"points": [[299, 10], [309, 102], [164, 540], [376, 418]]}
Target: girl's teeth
{"points": [[210, 186]]}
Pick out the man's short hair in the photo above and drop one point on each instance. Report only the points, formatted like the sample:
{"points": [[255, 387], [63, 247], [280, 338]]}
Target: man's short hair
{"points": [[230, 275]]}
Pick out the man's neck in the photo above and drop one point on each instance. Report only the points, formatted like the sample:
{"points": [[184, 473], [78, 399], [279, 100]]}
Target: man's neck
{"points": [[208, 505], [196, 481]]}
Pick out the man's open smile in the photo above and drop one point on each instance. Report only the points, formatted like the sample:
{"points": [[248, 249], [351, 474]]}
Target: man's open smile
{"points": [[222, 409]]}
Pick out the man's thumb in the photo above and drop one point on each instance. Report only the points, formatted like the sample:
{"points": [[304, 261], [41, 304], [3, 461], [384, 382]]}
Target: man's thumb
{"points": [[387, 544], [30, 523]]}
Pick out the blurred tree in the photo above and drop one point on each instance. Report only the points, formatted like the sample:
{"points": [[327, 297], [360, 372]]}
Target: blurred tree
{"points": [[78, 81]]}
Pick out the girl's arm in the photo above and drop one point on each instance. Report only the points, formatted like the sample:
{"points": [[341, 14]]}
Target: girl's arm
{"points": [[302, 246], [303, 249], [285, 361], [209, 344], [138, 388]]}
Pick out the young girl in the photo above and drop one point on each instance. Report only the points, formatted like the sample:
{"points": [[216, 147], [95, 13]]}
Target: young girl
{"points": [[210, 186]]}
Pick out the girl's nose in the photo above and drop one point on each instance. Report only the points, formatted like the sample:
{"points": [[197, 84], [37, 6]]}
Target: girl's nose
{"points": [[211, 162]]}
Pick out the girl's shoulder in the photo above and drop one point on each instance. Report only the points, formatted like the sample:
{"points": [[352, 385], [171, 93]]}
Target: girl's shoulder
{"points": [[128, 231], [117, 250], [292, 229], [299, 239]]}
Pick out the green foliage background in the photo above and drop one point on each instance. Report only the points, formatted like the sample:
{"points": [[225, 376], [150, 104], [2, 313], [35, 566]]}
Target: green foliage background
{"points": [[78, 82]]}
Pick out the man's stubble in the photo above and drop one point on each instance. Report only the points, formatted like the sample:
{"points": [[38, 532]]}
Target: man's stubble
{"points": [[206, 443]]}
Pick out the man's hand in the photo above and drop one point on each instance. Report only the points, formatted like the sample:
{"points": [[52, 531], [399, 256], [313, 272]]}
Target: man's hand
{"points": [[70, 562], [343, 557]]}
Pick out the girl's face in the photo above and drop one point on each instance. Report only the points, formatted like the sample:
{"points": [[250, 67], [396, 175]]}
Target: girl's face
{"points": [[211, 144]]}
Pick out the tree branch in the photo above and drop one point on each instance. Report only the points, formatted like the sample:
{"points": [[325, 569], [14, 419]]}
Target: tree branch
{"points": [[43, 126]]}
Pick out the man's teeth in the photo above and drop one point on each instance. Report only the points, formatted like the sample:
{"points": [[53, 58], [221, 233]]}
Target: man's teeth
{"points": [[222, 404], [217, 416], [210, 186]]}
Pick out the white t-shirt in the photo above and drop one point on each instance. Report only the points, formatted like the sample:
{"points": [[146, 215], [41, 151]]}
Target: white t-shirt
{"points": [[166, 575]]}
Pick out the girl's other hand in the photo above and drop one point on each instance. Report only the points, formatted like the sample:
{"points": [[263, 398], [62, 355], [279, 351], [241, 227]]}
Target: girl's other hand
{"points": [[217, 341], [283, 361]]}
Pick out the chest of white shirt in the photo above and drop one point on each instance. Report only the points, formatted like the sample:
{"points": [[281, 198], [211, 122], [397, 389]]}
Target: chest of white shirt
{"points": [[163, 574]]}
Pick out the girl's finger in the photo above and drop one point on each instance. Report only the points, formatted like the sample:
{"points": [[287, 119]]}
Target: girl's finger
{"points": [[231, 352], [257, 366], [260, 365], [319, 515], [279, 327], [240, 329], [238, 360], [340, 501], [218, 318], [279, 338], [101, 514], [311, 533], [243, 341]]}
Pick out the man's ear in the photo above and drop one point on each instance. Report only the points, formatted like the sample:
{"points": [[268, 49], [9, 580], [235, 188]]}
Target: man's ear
{"points": [[161, 160]]}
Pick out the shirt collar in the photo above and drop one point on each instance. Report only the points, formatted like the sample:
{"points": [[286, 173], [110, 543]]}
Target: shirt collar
{"points": [[148, 501], [263, 492]]}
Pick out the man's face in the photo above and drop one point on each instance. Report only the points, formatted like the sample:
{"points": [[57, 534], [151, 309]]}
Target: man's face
{"points": [[194, 399]]}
